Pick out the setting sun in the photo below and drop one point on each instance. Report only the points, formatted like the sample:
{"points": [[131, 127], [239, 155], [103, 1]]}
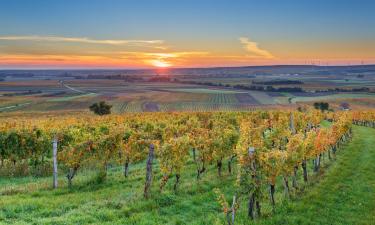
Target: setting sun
{"points": [[160, 63]]}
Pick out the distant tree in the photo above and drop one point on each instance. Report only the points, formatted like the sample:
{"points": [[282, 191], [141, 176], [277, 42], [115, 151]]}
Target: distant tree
{"points": [[101, 108], [322, 106], [316, 105]]}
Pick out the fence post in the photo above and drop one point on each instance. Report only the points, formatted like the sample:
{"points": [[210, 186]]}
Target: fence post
{"points": [[54, 148], [149, 171]]}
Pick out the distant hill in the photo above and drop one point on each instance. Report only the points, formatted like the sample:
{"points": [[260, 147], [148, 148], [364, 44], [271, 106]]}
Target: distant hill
{"points": [[247, 70]]}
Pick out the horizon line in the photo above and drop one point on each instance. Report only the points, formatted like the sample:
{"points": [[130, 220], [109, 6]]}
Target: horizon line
{"points": [[181, 68]]}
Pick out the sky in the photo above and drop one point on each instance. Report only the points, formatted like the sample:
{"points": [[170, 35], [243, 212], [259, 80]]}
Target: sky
{"points": [[185, 33]]}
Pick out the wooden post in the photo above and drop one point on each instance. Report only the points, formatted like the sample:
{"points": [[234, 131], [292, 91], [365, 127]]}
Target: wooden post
{"points": [[304, 167], [194, 155], [233, 209], [250, 212], [149, 172], [219, 166], [253, 198], [231, 213], [272, 196], [286, 187], [292, 128], [54, 148]]}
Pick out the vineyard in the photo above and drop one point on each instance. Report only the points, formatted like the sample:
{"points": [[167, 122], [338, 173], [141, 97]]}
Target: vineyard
{"points": [[268, 156]]}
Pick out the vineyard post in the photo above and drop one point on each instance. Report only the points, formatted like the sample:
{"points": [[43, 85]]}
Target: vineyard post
{"points": [[329, 153], [272, 196], [253, 201], [292, 128], [149, 171], [304, 167], [126, 168], [317, 163], [219, 166], [230, 163], [295, 169], [54, 154], [232, 210]]}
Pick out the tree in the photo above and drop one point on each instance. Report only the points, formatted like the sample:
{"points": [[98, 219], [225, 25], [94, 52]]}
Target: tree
{"points": [[78, 148], [322, 106], [101, 108]]}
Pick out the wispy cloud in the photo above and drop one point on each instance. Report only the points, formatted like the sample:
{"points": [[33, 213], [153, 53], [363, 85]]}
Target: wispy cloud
{"points": [[110, 59], [118, 53], [253, 48], [83, 40], [176, 54]]}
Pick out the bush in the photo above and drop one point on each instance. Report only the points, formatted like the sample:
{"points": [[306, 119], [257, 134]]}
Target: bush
{"points": [[322, 106], [101, 108]]}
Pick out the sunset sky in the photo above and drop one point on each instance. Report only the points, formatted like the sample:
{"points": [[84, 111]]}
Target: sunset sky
{"points": [[184, 33]]}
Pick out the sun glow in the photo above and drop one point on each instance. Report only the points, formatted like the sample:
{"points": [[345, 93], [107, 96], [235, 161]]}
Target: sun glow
{"points": [[160, 63]]}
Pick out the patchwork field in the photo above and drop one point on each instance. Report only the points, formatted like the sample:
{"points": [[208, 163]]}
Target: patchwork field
{"points": [[195, 90], [119, 200]]}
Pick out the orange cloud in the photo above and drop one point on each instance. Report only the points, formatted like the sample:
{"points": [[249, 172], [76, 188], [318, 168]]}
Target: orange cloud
{"points": [[95, 53], [253, 48], [79, 40]]}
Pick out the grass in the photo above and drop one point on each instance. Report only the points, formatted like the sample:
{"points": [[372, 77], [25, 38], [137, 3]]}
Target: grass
{"points": [[343, 195], [11, 107], [135, 106], [69, 98], [204, 107], [333, 97], [262, 97], [131, 97], [203, 90], [222, 98]]}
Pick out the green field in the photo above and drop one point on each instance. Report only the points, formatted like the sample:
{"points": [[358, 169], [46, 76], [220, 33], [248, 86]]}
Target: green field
{"points": [[202, 107], [262, 97], [69, 98], [203, 90], [223, 98], [344, 195], [332, 97], [140, 96]]}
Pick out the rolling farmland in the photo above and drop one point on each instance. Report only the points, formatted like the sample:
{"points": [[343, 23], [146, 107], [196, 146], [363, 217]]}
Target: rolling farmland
{"points": [[195, 112]]}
